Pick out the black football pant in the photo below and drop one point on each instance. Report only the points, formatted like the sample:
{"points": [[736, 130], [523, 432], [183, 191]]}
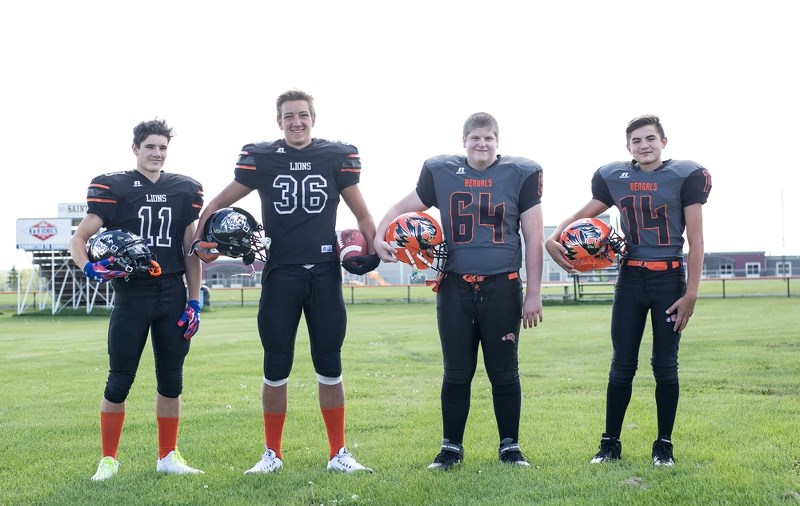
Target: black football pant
{"points": [[640, 293], [290, 291], [486, 313], [142, 306]]}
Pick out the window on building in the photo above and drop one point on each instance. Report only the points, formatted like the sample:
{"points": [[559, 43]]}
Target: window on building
{"points": [[752, 269], [784, 268], [726, 270]]}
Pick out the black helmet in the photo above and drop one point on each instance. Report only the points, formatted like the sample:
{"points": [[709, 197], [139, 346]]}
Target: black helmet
{"points": [[130, 252], [237, 234]]}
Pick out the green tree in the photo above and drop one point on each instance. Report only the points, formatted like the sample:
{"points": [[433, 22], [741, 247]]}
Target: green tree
{"points": [[11, 280]]}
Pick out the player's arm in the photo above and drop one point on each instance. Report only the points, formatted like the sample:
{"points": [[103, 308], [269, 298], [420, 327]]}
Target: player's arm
{"points": [[532, 225], [552, 244], [361, 264], [358, 206], [193, 268], [684, 307], [409, 203], [231, 194], [89, 226]]}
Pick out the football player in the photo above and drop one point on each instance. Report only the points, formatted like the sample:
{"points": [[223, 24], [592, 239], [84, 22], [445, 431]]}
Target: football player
{"points": [[485, 200], [300, 180], [162, 209], [657, 201]]}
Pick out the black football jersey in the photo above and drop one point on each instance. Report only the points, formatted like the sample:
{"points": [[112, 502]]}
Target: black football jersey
{"points": [[300, 194], [481, 209], [651, 203], [159, 212]]}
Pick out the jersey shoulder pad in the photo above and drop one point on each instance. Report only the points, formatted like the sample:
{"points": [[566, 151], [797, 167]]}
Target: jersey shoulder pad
{"points": [[260, 148], [526, 164], [684, 167], [441, 161]]}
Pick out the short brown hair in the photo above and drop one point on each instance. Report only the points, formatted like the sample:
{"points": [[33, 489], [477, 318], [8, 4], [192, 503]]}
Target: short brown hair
{"points": [[479, 120], [152, 127], [640, 121], [291, 96]]}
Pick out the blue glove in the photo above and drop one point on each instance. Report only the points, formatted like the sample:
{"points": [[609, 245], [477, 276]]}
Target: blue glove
{"points": [[190, 318], [99, 271]]}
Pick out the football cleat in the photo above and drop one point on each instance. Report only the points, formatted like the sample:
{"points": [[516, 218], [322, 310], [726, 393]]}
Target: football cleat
{"points": [[510, 453], [107, 468], [451, 455], [174, 463], [269, 463], [344, 462], [610, 450], [662, 453]]}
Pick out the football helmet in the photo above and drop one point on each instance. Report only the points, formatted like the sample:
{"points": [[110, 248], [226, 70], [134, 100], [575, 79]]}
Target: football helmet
{"points": [[591, 244], [130, 252], [419, 241], [237, 234]]}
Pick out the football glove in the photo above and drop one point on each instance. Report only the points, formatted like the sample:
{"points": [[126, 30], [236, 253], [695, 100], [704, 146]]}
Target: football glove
{"points": [[99, 270], [191, 319], [205, 251], [360, 265]]}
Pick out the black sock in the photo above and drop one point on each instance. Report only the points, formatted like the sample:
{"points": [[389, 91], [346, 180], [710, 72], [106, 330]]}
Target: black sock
{"points": [[617, 399], [666, 408], [507, 400], [455, 409]]}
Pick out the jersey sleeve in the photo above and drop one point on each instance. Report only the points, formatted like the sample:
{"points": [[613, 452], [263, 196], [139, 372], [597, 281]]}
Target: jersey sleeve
{"points": [[696, 187], [101, 198], [530, 194], [350, 172], [425, 187], [600, 189], [197, 201], [245, 170]]}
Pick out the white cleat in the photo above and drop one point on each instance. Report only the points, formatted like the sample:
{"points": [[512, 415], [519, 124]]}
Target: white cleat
{"points": [[174, 463], [343, 462], [269, 463], [107, 468]]}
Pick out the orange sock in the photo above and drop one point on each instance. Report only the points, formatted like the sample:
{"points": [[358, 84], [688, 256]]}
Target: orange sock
{"points": [[273, 432], [111, 432], [167, 435], [334, 425]]}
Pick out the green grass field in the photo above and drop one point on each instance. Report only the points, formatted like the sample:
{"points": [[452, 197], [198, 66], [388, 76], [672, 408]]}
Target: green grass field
{"points": [[736, 436]]}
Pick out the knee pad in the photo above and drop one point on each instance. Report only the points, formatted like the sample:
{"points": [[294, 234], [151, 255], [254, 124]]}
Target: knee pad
{"points": [[501, 378], [665, 370], [169, 383], [277, 365], [276, 383], [118, 386], [327, 380], [328, 365]]}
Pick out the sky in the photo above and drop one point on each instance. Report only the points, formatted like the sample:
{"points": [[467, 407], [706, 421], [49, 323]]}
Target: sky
{"points": [[397, 80]]}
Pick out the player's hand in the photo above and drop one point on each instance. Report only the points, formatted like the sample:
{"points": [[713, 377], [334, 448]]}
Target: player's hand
{"points": [[99, 271], [385, 251], [190, 318], [558, 253], [680, 312], [360, 265], [205, 251]]}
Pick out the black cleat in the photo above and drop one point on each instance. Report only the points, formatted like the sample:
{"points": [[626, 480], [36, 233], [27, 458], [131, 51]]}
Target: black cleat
{"points": [[610, 450], [452, 454]]}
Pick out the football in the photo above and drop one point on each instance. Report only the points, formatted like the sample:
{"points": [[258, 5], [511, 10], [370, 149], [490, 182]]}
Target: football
{"points": [[350, 243]]}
